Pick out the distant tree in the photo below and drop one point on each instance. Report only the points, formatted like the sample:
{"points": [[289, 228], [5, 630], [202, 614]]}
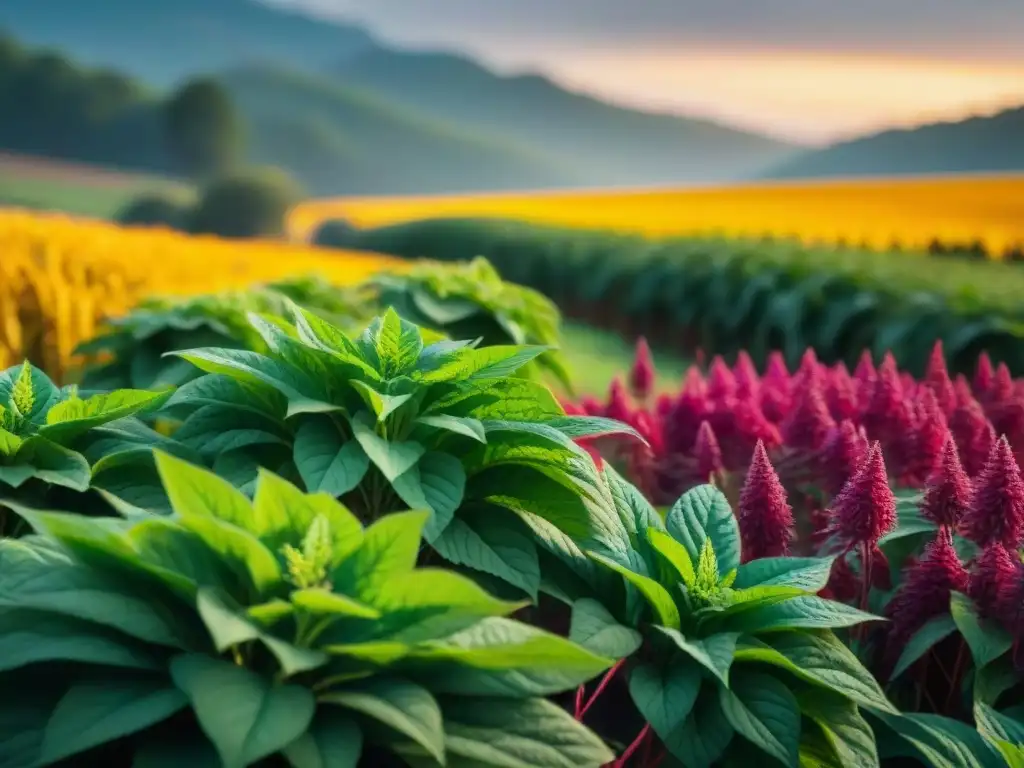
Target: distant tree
{"points": [[336, 233], [155, 210], [250, 204], [203, 128]]}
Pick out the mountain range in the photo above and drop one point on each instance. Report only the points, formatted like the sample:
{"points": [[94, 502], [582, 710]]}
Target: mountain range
{"points": [[348, 114]]}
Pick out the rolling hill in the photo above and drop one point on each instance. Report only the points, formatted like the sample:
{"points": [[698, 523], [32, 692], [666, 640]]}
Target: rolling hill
{"points": [[992, 143], [162, 41], [338, 139], [527, 119], [616, 146]]}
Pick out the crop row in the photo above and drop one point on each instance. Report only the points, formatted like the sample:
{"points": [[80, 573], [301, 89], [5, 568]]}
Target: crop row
{"points": [[59, 277], [727, 295], [393, 548], [984, 212]]}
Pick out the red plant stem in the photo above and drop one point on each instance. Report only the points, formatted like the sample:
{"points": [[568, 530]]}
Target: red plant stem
{"points": [[954, 687], [641, 737], [600, 688], [579, 700]]}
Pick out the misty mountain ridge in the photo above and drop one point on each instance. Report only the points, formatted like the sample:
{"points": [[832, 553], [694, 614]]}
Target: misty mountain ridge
{"points": [[549, 137], [990, 143]]}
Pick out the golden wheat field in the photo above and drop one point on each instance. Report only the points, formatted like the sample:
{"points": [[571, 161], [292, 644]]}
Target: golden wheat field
{"points": [[912, 212], [59, 276]]}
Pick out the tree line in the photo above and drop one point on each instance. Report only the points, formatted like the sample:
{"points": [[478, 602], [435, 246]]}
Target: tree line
{"points": [[54, 108]]}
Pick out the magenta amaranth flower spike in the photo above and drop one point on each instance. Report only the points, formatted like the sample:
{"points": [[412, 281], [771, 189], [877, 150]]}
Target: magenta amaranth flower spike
{"points": [[947, 494], [996, 512], [591, 406], [971, 431], [865, 509], [936, 378], [721, 382], [841, 394], [748, 383], [776, 373], [618, 406], [739, 428], [707, 452], [765, 517], [1002, 385], [925, 592], [641, 376], [994, 574], [983, 376], [809, 368], [887, 415], [865, 373], [929, 436], [842, 455], [690, 409], [809, 423], [663, 406]]}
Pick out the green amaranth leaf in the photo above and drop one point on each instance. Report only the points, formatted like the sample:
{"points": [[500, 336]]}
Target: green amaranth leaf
{"points": [[594, 628], [665, 693], [95, 713], [922, 641], [246, 716], [987, 640], [665, 610], [326, 461], [714, 653], [703, 513], [400, 704], [765, 712], [392, 458], [807, 573]]}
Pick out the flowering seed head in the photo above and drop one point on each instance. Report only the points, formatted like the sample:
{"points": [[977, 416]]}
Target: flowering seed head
{"points": [[996, 512], [842, 455], [947, 494], [983, 376], [994, 575], [810, 422], [721, 382], [936, 378], [618, 406], [748, 384], [865, 509], [841, 394], [925, 592], [765, 517], [641, 376], [887, 415], [707, 452]]}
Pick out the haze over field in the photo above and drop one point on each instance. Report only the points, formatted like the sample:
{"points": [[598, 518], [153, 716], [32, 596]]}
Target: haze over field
{"points": [[407, 97], [807, 71]]}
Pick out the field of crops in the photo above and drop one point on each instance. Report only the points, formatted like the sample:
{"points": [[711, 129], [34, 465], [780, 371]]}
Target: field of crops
{"points": [[877, 213], [59, 276], [349, 522], [727, 295]]}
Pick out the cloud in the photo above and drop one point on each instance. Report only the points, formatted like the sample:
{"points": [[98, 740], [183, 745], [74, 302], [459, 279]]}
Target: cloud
{"points": [[951, 28]]}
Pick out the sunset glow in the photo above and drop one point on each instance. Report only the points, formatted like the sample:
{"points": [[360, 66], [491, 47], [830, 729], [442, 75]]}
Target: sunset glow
{"points": [[811, 97]]}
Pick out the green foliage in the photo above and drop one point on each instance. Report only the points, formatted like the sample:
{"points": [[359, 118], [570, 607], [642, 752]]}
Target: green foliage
{"points": [[131, 351], [723, 656], [154, 209], [471, 301], [336, 233], [729, 295], [51, 437], [203, 129], [235, 631], [389, 420], [246, 204]]}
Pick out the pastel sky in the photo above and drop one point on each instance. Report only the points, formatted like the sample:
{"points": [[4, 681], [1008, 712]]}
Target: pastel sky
{"points": [[809, 70]]}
